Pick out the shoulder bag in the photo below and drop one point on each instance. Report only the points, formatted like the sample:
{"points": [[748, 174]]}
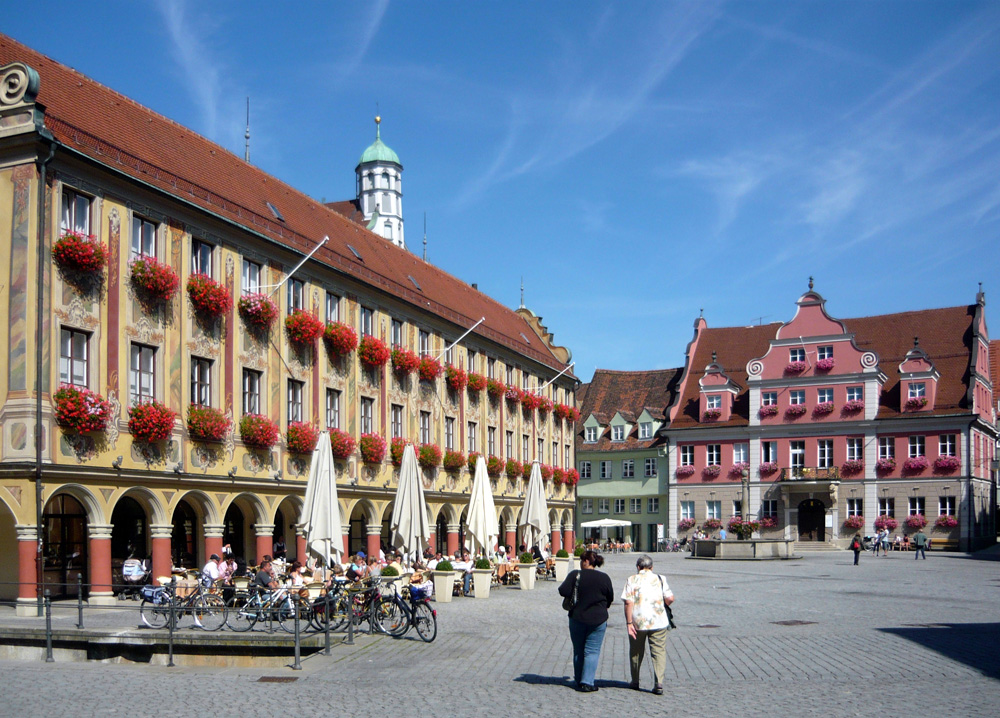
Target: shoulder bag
{"points": [[569, 603], [670, 614]]}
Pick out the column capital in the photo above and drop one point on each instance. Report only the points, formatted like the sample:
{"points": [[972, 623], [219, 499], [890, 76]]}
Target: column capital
{"points": [[373, 529], [26, 532], [214, 530], [453, 528], [161, 531], [264, 529], [99, 531]]}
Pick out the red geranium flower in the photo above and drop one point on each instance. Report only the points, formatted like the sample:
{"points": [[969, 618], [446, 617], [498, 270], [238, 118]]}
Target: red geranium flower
{"points": [[78, 252], [154, 281], [373, 353], [81, 409], [258, 432], [205, 423], [340, 338], [208, 297], [303, 327], [301, 437], [151, 422]]}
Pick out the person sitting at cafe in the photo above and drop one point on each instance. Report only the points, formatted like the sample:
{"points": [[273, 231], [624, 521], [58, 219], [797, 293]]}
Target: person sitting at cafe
{"points": [[264, 580], [227, 567], [374, 567], [211, 573], [465, 565], [432, 563], [421, 585], [295, 578], [358, 569]]}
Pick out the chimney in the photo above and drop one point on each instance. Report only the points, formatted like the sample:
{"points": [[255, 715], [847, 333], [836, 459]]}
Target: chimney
{"points": [[475, 286]]}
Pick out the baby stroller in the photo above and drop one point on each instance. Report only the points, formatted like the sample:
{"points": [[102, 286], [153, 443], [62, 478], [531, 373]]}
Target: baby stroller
{"points": [[135, 575]]}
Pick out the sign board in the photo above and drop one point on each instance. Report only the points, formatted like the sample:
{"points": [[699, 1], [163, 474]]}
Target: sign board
{"points": [[829, 521], [659, 532]]}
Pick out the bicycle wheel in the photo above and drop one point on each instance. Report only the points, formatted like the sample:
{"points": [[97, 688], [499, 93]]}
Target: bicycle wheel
{"points": [[210, 611], [154, 615], [290, 605], [241, 613], [389, 616], [425, 621]]}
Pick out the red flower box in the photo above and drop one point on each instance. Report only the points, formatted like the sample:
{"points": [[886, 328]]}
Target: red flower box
{"points": [[795, 410], [301, 437], [852, 466], [455, 377], [853, 405], [341, 444], [495, 388], [514, 469], [526, 469], [429, 456], [429, 369], [711, 524], [257, 310], [916, 464], [712, 414], [404, 361], [854, 522], [767, 410], [79, 253], [472, 460], [151, 422], [885, 466], [683, 471], [685, 524], [544, 406], [154, 281], [529, 401], [208, 297], [946, 521], [303, 327], [767, 468], [477, 382], [453, 460], [494, 467], [825, 365], [886, 522], [546, 471], [81, 410], [258, 432], [205, 423], [710, 472], [572, 477], [558, 476], [916, 403], [946, 463], [340, 338], [372, 448], [513, 394], [916, 521], [396, 448], [823, 408], [796, 367], [373, 352]]}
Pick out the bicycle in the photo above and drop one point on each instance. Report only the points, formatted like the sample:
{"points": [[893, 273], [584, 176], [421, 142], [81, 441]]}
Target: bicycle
{"points": [[330, 609], [408, 612], [245, 610], [208, 609]]}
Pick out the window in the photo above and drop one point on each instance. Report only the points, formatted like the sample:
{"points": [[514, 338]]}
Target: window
{"points": [[713, 454], [917, 390], [541, 450], [713, 401], [824, 395], [332, 409], [251, 391], [251, 277], [687, 509], [855, 507], [566, 459], [332, 307], [650, 467], [635, 506], [201, 381], [946, 505], [586, 506], [855, 393], [646, 430], [619, 506], [797, 396], [737, 507], [143, 238], [524, 447], [916, 505], [769, 398], [946, 445], [584, 469], [142, 373], [797, 454], [425, 427], [295, 400], [510, 375], [824, 353], [296, 290], [687, 455], [491, 368], [741, 453], [524, 380], [603, 506], [653, 505], [424, 345], [618, 433], [605, 469], [470, 360], [797, 354], [824, 453], [75, 212], [590, 434], [491, 441], [769, 451], [201, 257], [510, 446], [396, 421], [855, 449], [713, 509], [473, 444], [886, 447], [917, 447], [628, 468], [886, 507], [73, 357], [449, 433], [367, 415], [769, 508], [367, 322], [448, 353]]}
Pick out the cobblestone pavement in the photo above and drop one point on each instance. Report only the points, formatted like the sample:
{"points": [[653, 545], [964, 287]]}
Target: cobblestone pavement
{"points": [[888, 637]]}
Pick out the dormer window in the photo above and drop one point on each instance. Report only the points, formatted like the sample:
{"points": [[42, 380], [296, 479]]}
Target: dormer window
{"points": [[590, 434], [824, 353], [917, 390], [713, 401], [797, 354], [646, 430], [618, 433]]}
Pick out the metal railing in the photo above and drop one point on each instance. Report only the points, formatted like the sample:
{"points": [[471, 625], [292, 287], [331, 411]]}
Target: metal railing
{"points": [[809, 473]]}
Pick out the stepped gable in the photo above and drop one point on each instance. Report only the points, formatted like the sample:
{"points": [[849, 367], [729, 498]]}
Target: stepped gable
{"points": [[628, 392], [995, 369], [118, 132]]}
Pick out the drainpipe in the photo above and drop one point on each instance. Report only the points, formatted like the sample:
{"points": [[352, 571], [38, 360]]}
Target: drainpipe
{"points": [[39, 366]]}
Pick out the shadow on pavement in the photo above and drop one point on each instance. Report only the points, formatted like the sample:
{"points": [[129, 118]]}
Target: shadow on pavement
{"points": [[973, 644], [565, 681]]}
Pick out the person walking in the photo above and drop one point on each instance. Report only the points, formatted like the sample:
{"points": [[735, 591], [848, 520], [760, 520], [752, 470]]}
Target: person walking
{"points": [[856, 547], [588, 619], [646, 596], [920, 545]]}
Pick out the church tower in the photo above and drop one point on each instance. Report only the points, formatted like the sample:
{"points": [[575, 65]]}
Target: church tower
{"points": [[380, 189]]}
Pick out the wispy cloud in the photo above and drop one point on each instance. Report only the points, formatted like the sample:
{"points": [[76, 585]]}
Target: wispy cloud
{"points": [[348, 67]]}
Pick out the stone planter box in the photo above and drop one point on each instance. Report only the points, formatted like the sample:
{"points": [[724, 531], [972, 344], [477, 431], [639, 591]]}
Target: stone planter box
{"points": [[748, 550], [526, 572], [444, 582], [481, 578], [563, 568]]}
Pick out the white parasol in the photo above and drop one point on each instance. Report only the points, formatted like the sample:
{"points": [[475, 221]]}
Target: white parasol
{"points": [[321, 524], [482, 523]]}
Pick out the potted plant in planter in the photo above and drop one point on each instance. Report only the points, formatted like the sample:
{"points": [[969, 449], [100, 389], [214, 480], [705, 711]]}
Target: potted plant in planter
{"points": [[372, 448], [916, 403], [209, 298], [544, 406], [154, 282], [573, 415], [79, 254], [768, 522], [482, 575], [795, 367], [396, 448], [546, 471], [453, 461], [477, 382], [513, 469], [712, 414], [151, 422], [495, 389], [429, 456], [795, 410], [340, 338], [578, 551], [301, 437], [737, 469], [526, 568], [206, 423], [372, 352], [825, 364], [444, 581], [513, 395], [494, 467], [429, 369], [562, 564], [558, 476], [767, 468], [404, 361], [885, 466], [853, 406], [560, 411], [341, 444], [257, 431], [529, 401], [711, 524], [915, 464], [852, 466], [303, 328], [81, 410], [258, 311], [711, 472], [823, 408], [854, 523], [455, 377]]}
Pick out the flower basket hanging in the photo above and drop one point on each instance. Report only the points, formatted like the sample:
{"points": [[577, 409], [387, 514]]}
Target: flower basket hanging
{"points": [[946, 521], [916, 403], [711, 524], [206, 423], [303, 328], [513, 394], [544, 406], [683, 471], [852, 406], [737, 469], [795, 367], [916, 521], [946, 463], [341, 444], [529, 401], [526, 469], [767, 410], [79, 253], [823, 408], [81, 410], [396, 448], [915, 464], [513, 469], [372, 352], [884, 466], [767, 468], [494, 467], [258, 432], [886, 522], [372, 448], [546, 471], [404, 361], [825, 365], [573, 415], [852, 466], [257, 310], [560, 411], [453, 461], [455, 377], [153, 281], [472, 461], [495, 389], [151, 422], [854, 522], [685, 524], [340, 338], [558, 476], [429, 369], [795, 410], [572, 477], [429, 456], [301, 437], [477, 382], [209, 298]]}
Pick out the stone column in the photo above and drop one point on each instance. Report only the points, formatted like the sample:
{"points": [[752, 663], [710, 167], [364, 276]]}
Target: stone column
{"points": [[511, 540], [27, 552], [99, 545], [433, 541], [265, 541], [570, 538], [301, 550], [374, 539], [160, 535], [556, 539], [346, 530], [213, 540], [452, 539]]}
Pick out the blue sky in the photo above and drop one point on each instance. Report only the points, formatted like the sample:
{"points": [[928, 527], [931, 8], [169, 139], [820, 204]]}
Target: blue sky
{"points": [[634, 162]]}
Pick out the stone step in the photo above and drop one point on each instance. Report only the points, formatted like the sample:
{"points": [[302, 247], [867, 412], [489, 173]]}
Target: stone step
{"points": [[813, 546]]}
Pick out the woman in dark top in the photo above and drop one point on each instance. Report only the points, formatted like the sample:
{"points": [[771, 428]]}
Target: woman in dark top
{"points": [[589, 617]]}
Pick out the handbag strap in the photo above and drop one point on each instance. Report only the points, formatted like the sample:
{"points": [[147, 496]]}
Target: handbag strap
{"points": [[576, 588], [670, 613]]}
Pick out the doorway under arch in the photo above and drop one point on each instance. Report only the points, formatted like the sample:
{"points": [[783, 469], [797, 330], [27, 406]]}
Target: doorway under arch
{"points": [[128, 533], [183, 540], [812, 520], [64, 533]]}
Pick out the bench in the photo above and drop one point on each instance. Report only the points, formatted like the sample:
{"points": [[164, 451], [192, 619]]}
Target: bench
{"points": [[939, 544]]}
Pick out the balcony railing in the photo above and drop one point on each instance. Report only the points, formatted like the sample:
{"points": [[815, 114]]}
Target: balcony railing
{"points": [[809, 473]]}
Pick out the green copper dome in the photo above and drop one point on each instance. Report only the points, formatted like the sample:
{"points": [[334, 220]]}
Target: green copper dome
{"points": [[378, 151]]}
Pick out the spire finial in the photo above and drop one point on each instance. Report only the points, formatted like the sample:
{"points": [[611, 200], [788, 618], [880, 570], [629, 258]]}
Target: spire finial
{"points": [[378, 122], [701, 313], [246, 151], [425, 236], [810, 283], [522, 292]]}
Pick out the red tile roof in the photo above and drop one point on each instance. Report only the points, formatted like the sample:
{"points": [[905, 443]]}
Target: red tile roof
{"points": [[349, 208], [117, 132], [628, 392]]}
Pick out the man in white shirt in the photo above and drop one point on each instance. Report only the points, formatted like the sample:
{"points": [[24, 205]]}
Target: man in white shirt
{"points": [[465, 566], [646, 596]]}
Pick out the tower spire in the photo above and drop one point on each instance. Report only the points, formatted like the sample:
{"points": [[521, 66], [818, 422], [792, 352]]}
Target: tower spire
{"points": [[522, 293], [425, 236]]}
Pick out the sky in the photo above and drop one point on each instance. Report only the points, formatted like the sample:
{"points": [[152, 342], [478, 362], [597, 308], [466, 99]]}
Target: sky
{"points": [[634, 163]]}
